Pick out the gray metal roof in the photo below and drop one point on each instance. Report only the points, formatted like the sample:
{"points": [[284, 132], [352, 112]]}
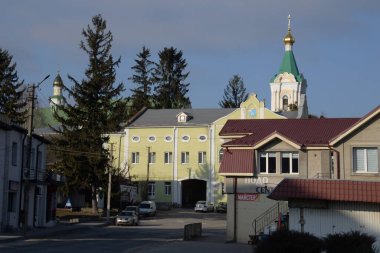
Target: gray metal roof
{"points": [[168, 117]]}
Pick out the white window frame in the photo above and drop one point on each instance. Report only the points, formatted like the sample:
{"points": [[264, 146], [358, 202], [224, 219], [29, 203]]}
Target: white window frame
{"points": [[152, 138], [168, 188], [135, 138], [365, 160], [267, 155], [14, 153], [202, 157], [184, 137], [151, 189], [152, 157], [135, 159], [202, 136], [39, 161], [168, 157], [185, 157], [168, 138], [221, 153], [290, 154]]}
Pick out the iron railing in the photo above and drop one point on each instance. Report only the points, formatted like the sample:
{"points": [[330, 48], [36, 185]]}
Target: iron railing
{"points": [[269, 216]]}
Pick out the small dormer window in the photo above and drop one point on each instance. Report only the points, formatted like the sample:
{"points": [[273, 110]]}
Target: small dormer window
{"points": [[183, 117]]}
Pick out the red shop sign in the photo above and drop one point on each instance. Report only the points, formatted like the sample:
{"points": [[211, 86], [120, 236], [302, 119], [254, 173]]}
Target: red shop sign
{"points": [[247, 196]]}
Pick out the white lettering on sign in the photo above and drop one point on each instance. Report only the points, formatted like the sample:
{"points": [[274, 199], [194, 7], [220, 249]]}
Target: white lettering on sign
{"points": [[257, 181], [247, 196]]}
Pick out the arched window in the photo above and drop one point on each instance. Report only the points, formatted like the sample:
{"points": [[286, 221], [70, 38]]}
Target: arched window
{"points": [[285, 102], [221, 155]]}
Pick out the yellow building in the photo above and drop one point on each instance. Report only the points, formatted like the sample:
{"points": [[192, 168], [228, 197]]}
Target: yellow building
{"points": [[183, 149]]}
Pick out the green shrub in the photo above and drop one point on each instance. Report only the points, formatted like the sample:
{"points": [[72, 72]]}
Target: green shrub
{"points": [[290, 241], [350, 242]]}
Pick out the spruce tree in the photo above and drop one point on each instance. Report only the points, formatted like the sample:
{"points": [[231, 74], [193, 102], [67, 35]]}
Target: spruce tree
{"points": [[97, 110], [12, 102], [234, 94], [142, 94], [169, 76]]}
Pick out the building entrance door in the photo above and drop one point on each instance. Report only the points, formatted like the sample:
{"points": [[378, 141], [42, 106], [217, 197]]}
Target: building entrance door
{"points": [[192, 191]]}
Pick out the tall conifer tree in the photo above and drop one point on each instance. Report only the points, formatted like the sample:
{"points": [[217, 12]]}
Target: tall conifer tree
{"points": [[170, 76], [96, 111], [142, 94], [234, 94], [12, 91]]}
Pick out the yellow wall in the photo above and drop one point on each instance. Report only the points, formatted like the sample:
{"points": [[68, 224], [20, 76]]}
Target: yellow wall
{"points": [[177, 171]]}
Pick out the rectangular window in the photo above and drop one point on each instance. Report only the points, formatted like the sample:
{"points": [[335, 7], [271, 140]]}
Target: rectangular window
{"points": [[168, 157], [366, 160], [14, 154], [221, 151], [289, 163], [168, 188], [135, 157], [185, 157], [33, 160], [39, 161], [152, 157], [267, 162], [12, 201], [151, 189], [202, 157], [29, 163]]}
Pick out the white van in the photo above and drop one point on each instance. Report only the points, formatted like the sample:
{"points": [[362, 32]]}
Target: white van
{"points": [[147, 208]]}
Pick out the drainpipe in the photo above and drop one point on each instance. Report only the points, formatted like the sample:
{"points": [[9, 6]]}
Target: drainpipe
{"points": [[21, 178], [235, 214], [254, 163], [119, 160], [337, 161], [35, 187], [302, 220]]}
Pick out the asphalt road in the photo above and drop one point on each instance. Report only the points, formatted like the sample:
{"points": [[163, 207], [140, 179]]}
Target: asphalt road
{"points": [[152, 232]]}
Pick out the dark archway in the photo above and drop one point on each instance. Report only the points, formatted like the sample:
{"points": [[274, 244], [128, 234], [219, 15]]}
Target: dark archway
{"points": [[192, 191]]}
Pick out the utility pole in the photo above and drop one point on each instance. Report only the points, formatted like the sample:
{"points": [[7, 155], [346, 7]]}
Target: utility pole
{"points": [[147, 175], [31, 98], [109, 184]]}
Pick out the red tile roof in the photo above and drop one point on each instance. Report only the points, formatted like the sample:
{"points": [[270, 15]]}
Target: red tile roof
{"points": [[237, 161], [332, 190], [308, 132]]}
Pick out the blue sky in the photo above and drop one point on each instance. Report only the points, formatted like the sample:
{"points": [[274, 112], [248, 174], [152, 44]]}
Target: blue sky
{"points": [[337, 44]]}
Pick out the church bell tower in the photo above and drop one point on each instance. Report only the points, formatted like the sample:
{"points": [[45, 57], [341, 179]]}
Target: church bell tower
{"points": [[288, 86]]}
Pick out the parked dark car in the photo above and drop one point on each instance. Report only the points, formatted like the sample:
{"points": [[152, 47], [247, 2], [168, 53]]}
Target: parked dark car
{"points": [[133, 208], [221, 207]]}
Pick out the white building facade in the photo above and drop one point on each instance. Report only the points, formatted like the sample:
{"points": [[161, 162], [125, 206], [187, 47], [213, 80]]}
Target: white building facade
{"points": [[21, 188]]}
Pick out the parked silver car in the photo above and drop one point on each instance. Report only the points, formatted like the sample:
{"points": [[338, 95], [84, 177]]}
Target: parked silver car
{"points": [[127, 218], [204, 206]]}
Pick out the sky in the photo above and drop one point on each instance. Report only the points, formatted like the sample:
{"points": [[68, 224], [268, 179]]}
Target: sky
{"points": [[337, 44]]}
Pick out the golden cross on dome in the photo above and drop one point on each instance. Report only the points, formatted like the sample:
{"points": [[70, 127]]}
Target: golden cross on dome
{"points": [[289, 22]]}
